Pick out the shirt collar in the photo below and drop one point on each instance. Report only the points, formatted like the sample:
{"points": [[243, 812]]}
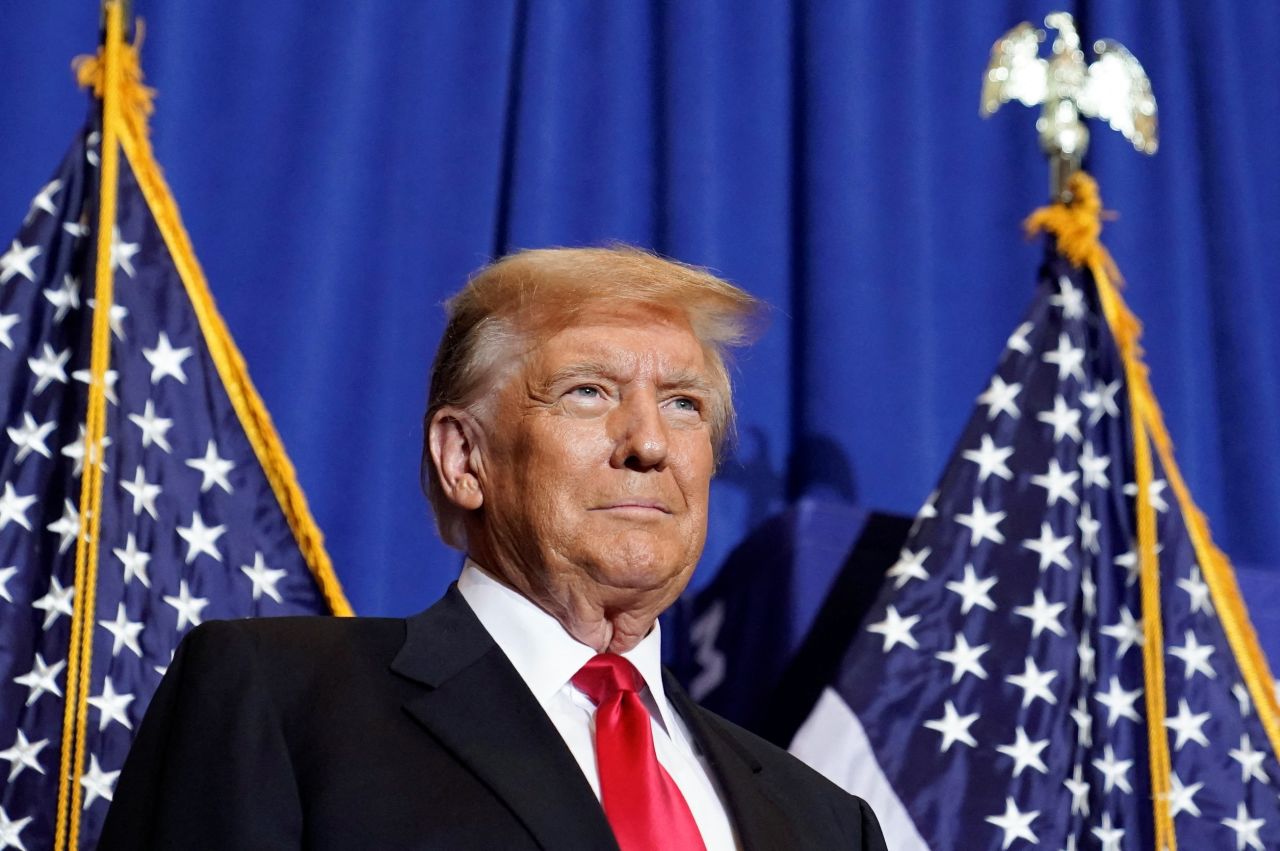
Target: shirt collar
{"points": [[542, 652]]}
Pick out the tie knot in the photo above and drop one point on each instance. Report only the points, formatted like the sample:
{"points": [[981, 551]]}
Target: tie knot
{"points": [[606, 675]]}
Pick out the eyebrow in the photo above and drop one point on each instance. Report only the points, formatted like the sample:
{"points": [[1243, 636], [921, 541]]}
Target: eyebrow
{"points": [[683, 379]]}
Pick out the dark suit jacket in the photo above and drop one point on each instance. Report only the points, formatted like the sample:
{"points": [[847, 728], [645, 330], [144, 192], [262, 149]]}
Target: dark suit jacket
{"points": [[386, 734]]}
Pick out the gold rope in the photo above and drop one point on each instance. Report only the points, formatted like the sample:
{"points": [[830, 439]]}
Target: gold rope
{"points": [[80, 651], [1077, 227]]}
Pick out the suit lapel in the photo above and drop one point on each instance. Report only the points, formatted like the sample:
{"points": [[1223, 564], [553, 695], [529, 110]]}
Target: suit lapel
{"points": [[477, 706], [760, 822]]}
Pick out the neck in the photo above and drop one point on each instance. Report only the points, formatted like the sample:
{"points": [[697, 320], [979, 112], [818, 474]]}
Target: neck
{"points": [[608, 620]]}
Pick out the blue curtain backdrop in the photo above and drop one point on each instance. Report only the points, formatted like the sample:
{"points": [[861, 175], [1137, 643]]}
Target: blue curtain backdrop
{"points": [[342, 167]]}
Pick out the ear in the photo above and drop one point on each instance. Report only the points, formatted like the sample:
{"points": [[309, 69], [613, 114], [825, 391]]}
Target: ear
{"points": [[453, 437]]}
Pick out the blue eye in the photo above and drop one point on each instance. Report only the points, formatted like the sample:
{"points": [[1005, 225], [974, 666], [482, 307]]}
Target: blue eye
{"points": [[684, 403]]}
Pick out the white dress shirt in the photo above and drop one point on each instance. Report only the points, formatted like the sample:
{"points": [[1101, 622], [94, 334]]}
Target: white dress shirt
{"points": [[547, 657]]}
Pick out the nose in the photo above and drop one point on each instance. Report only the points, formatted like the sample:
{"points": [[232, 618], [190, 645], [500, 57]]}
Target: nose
{"points": [[642, 442]]}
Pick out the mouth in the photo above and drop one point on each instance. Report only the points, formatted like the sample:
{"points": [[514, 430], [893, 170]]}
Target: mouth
{"points": [[638, 507]]}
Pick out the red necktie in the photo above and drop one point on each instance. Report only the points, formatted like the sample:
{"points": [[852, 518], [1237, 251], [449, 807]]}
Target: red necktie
{"points": [[643, 804]]}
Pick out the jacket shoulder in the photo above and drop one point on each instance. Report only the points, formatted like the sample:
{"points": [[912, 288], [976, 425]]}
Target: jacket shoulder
{"points": [[287, 649]]}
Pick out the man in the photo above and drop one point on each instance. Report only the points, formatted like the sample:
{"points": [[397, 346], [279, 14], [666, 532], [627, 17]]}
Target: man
{"points": [[578, 401]]}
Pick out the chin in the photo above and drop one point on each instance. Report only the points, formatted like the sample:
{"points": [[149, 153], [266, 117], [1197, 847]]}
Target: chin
{"points": [[638, 565]]}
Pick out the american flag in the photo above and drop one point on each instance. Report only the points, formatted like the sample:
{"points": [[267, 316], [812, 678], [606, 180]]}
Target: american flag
{"points": [[201, 518], [996, 697]]}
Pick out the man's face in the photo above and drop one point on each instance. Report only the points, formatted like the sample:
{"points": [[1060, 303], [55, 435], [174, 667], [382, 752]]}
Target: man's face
{"points": [[599, 458]]}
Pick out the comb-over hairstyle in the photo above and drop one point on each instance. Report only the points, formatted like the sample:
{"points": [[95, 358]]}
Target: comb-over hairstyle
{"points": [[509, 305]]}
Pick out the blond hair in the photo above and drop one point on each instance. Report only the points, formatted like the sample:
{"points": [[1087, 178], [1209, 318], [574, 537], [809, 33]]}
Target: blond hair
{"points": [[505, 307]]}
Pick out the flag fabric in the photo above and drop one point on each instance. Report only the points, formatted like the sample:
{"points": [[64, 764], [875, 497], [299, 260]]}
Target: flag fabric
{"points": [[1059, 658], [199, 513]]}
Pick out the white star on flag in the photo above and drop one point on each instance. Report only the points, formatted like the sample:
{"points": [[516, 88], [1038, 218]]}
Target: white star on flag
{"points": [[1241, 693], [1025, 753], [43, 201], [6, 573], [1089, 528], [1034, 683], [1182, 798], [973, 591], [1064, 419], [23, 754], [30, 437], [124, 632], [13, 508], [115, 318], [1188, 726], [1101, 401], [17, 261], [1196, 589], [1052, 549], [1245, 828], [134, 561], [1068, 359], [1194, 656], [1250, 760], [67, 526], [1043, 615], [982, 524], [1079, 790], [954, 727], [111, 706], [964, 658], [49, 367], [896, 629], [187, 606], [75, 451], [1115, 772], [154, 429], [1093, 467], [84, 376], [999, 398], [41, 678], [201, 538], [64, 298], [1087, 658], [122, 253], [7, 321], [264, 579], [1128, 632], [1108, 835], [1119, 702], [144, 493], [909, 566], [213, 468], [11, 831], [98, 783], [1084, 722], [990, 459], [1018, 339], [1015, 823], [56, 602], [165, 360], [1070, 299], [1057, 484], [1154, 494]]}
